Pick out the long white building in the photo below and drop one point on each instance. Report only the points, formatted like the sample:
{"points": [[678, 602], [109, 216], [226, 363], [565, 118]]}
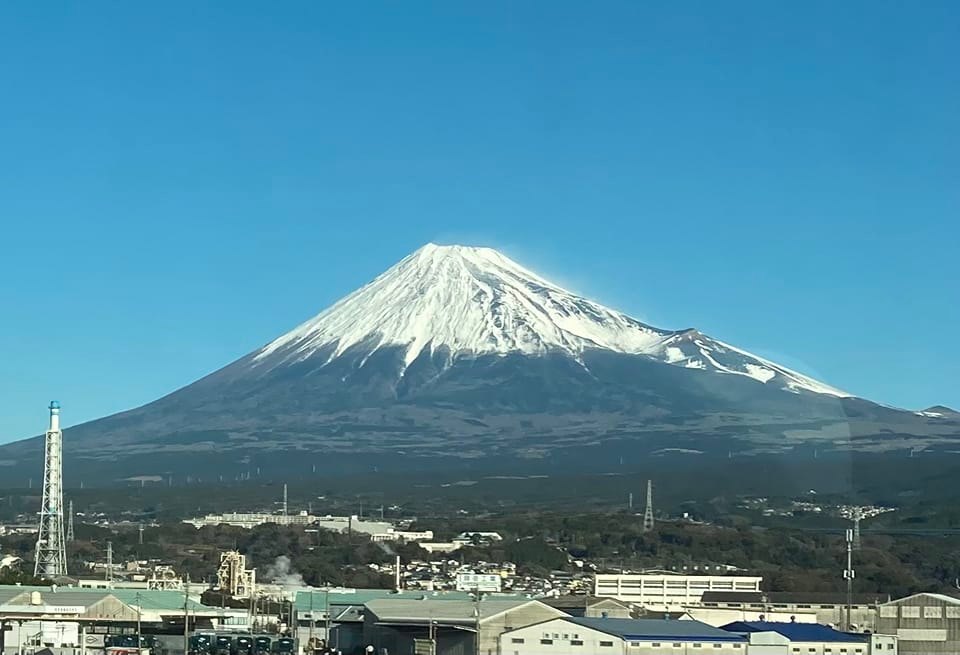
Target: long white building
{"points": [[666, 591]]}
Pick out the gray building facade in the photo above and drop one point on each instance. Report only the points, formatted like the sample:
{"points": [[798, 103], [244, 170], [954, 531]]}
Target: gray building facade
{"points": [[926, 624]]}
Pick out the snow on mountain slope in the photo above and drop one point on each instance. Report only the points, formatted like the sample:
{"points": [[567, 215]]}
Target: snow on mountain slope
{"points": [[474, 301]]}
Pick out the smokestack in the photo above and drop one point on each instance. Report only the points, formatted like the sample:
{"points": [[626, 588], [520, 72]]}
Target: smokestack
{"points": [[397, 574]]}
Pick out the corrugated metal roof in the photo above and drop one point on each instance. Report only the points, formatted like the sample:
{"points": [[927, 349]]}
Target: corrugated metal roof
{"points": [[342, 597], [790, 597], [155, 599], [394, 609], [943, 598], [149, 599], [69, 597], [7, 594], [646, 629], [809, 632], [363, 596], [583, 601]]}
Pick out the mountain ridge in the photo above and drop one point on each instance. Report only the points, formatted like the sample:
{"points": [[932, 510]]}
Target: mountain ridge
{"points": [[459, 355]]}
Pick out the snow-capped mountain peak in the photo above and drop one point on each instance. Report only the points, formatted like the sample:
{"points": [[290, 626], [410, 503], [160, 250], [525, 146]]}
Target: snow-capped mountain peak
{"points": [[470, 300], [474, 301]]}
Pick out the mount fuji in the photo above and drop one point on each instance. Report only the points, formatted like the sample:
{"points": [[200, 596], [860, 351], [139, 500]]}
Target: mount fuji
{"points": [[462, 355], [450, 303]]}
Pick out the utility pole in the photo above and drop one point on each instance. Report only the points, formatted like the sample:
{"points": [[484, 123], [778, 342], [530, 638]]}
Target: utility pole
{"points": [[109, 571], [186, 615], [476, 624], [312, 621], [326, 615], [848, 575], [139, 636], [50, 560]]}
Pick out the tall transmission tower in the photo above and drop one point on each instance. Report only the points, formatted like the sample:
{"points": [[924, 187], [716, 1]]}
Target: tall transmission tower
{"points": [[648, 512], [284, 498], [50, 560], [109, 568], [70, 536], [857, 517]]}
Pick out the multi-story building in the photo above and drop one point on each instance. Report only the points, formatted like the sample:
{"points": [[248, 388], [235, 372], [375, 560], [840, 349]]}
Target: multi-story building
{"points": [[402, 535], [668, 591]]}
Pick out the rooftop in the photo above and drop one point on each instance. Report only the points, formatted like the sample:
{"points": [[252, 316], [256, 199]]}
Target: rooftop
{"points": [[656, 629], [452, 611], [943, 598], [798, 597], [340, 597], [147, 599], [798, 631], [582, 601]]}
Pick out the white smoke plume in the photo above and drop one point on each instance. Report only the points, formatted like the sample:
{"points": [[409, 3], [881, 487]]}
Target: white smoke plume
{"points": [[281, 572]]}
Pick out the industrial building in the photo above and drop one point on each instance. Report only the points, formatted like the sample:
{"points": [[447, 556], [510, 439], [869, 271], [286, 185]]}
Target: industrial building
{"points": [[669, 591], [343, 610], [815, 639], [402, 535], [926, 624], [591, 606], [802, 607], [36, 617], [249, 520], [596, 636], [456, 627]]}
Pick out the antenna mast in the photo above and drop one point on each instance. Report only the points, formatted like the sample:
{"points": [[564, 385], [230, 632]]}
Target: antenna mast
{"points": [[848, 575]]}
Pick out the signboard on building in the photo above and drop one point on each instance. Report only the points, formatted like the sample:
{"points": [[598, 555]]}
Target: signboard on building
{"points": [[478, 582], [44, 609]]}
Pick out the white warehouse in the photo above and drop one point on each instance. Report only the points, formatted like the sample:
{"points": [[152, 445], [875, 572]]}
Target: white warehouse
{"points": [[667, 591], [600, 636]]}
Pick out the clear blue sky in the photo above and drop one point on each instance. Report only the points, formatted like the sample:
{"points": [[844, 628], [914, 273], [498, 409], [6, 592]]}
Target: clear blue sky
{"points": [[180, 182]]}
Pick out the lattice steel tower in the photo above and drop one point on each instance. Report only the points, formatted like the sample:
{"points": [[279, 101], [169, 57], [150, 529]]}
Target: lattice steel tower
{"points": [[648, 512], [51, 558], [70, 536]]}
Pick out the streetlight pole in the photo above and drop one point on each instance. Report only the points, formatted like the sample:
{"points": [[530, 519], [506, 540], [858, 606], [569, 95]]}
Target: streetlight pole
{"points": [[186, 615], [476, 624], [326, 615], [312, 621]]}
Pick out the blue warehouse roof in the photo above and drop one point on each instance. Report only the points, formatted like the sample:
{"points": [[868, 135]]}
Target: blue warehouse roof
{"points": [[797, 631], [647, 629]]}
